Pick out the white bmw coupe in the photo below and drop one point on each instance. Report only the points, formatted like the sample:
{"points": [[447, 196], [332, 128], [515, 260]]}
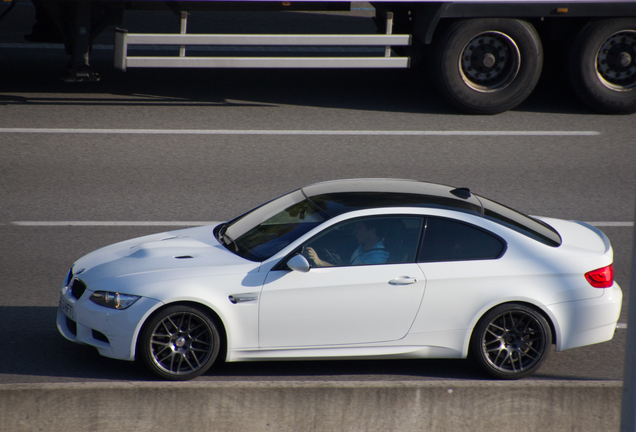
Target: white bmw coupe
{"points": [[369, 268]]}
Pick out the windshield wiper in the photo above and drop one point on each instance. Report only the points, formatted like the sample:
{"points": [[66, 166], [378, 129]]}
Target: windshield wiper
{"points": [[226, 239], [219, 235]]}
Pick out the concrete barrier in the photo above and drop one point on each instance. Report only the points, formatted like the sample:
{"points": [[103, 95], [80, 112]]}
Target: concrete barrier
{"points": [[281, 406]]}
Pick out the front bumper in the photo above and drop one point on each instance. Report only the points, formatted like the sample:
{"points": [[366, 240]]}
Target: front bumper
{"points": [[113, 332]]}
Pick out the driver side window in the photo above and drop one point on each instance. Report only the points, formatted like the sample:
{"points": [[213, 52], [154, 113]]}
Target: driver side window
{"points": [[366, 241]]}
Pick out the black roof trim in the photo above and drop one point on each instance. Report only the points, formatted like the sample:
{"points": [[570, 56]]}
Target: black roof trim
{"points": [[341, 196], [382, 185]]}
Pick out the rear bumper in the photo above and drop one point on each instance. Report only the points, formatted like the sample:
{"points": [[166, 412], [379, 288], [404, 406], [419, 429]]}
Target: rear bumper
{"points": [[586, 322]]}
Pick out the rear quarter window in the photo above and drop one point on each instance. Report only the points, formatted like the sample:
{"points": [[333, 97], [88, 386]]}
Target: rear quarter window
{"points": [[448, 240]]}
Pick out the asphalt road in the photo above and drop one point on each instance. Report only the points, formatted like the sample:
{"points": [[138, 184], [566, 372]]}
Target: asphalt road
{"points": [[81, 174]]}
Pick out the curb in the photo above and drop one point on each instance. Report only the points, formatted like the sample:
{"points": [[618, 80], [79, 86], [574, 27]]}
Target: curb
{"points": [[229, 406]]}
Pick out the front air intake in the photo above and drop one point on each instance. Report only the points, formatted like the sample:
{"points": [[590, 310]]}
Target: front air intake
{"points": [[72, 326], [77, 288], [100, 336]]}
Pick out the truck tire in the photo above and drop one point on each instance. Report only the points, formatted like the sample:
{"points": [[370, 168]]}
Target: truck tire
{"points": [[488, 66], [603, 65]]}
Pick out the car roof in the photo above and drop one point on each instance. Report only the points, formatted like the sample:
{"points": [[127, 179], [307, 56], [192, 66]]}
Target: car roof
{"points": [[373, 193], [342, 196], [377, 185]]}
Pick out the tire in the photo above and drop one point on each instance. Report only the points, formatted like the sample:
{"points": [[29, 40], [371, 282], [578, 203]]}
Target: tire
{"points": [[511, 341], [179, 343], [603, 65], [488, 66]]}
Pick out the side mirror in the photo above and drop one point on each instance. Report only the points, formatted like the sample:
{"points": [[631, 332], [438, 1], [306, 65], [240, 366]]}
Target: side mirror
{"points": [[299, 263]]}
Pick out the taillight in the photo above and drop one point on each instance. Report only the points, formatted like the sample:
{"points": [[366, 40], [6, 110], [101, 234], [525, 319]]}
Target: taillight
{"points": [[601, 278]]}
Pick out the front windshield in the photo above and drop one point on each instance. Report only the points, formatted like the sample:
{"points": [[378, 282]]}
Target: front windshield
{"points": [[267, 229]]}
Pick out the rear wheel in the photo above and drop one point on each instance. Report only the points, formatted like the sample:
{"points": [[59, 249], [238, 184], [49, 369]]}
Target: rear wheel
{"points": [[511, 341], [603, 65], [179, 343], [488, 66]]}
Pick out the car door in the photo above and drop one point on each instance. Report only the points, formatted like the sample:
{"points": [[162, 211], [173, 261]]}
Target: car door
{"points": [[344, 303]]}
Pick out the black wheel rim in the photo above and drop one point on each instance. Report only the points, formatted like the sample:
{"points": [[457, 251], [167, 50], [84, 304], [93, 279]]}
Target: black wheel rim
{"points": [[181, 343], [489, 62], [514, 342], [616, 61]]}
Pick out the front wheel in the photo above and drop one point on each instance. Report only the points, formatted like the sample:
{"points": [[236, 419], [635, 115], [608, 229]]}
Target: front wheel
{"points": [[488, 66], [511, 341], [179, 343], [603, 65]]}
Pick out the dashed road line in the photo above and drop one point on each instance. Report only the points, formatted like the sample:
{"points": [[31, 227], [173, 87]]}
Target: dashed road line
{"points": [[293, 132], [612, 224]]}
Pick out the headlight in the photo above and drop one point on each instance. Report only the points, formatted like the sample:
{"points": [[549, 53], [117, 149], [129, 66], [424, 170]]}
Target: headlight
{"points": [[113, 300]]}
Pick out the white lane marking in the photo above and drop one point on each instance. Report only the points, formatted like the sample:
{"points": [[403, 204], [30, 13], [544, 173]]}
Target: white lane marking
{"points": [[293, 132], [195, 223], [112, 223], [621, 326], [612, 224]]}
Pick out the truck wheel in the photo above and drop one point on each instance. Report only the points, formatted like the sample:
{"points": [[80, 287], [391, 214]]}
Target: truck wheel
{"points": [[488, 66], [603, 65]]}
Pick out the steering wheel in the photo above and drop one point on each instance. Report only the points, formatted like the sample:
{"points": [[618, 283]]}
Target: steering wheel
{"points": [[334, 259]]}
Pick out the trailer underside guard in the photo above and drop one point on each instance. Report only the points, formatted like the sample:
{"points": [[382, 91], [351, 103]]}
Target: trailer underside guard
{"points": [[383, 57]]}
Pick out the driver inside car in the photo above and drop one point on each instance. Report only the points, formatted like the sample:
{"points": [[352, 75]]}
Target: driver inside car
{"points": [[371, 250]]}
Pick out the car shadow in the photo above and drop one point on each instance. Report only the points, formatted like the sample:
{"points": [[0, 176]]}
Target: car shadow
{"points": [[35, 352], [35, 348], [348, 370]]}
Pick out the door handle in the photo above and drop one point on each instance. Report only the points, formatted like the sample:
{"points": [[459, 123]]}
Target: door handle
{"points": [[403, 280]]}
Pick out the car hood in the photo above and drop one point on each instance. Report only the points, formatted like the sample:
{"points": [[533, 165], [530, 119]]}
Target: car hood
{"points": [[182, 253]]}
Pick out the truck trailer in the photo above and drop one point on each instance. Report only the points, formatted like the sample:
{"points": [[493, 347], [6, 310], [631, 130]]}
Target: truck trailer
{"points": [[484, 57]]}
